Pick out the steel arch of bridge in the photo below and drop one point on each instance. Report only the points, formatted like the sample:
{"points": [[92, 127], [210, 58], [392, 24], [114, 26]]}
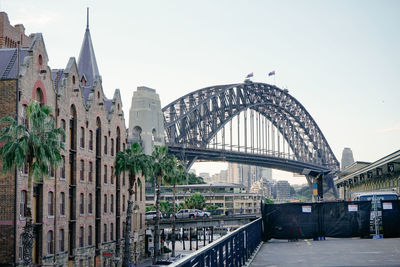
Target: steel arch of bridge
{"points": [[194, 119]]}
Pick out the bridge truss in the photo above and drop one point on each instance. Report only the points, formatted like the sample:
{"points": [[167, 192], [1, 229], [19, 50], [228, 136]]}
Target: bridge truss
{"points": [[257, 121]]}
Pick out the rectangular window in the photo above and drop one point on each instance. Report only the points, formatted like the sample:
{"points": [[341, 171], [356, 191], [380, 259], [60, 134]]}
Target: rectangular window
{"points": [[62, 169], [82, 143], [105, 203], [105, 233], [50, 202], [123, 203], [123, 178], [90, 236], [62, 204], [82, 171], [112, 204], [82, 204], [63, 126], [112, 175], [105, 145], [105, 174], [61, 240], [90, 205], [90, 140], [90, 172], [22, 203], [112, 147], [141, 221]]}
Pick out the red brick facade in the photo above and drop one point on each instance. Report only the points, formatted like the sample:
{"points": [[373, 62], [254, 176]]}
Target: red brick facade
{"points": [[78, 209]]}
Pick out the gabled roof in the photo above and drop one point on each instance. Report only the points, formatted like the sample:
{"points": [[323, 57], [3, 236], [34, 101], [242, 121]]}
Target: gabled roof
{"points": [[8, 59], [87, 64]]}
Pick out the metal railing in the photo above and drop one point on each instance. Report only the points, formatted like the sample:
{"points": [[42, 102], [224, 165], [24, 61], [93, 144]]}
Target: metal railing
{"points": [[233, 249]]}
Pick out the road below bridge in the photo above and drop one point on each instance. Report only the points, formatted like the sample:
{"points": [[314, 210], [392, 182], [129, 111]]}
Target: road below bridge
{"points": [[331, 252]]}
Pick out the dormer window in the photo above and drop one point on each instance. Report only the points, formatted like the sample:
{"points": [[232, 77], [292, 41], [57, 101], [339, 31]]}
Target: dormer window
{"points": [[83, 81]]}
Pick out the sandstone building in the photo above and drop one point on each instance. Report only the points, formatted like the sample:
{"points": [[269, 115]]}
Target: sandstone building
{"points": [[80, 209]]}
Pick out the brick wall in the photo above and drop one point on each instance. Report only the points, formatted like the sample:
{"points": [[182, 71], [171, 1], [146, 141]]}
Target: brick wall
{"points": [[7, 194], [10, 35]]}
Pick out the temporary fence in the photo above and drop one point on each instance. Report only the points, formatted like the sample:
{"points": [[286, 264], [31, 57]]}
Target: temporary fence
{"points": [[316, 220], [391, 218]]}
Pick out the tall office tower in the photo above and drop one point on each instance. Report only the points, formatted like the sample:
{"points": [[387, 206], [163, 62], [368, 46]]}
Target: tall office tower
{"points": [[146, 121], [347, 158]]}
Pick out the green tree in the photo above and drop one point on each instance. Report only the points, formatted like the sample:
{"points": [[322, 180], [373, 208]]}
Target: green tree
{"points": [[173, 179], [292, 191], [39, 147], [165, 207], [193, 179], [150, 208], [163, 165], [268, 201], [196, 201], [134, 161]]}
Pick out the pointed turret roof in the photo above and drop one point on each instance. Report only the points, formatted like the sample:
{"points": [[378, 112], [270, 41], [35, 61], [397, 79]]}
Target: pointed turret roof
{"points": [[87, 64]]}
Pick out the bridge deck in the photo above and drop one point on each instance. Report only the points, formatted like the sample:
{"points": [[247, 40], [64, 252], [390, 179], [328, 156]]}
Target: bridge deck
{"points": [[332, 252]]}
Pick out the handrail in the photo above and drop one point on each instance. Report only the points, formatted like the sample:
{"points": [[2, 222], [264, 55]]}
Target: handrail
{"points": [[231, 250]]}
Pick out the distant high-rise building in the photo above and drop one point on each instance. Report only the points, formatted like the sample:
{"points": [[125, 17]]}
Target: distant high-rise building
{"points": [[347, 158], [282, 190], [206, 176]]}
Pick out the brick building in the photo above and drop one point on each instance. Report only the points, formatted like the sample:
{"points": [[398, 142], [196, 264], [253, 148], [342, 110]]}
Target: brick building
{"points": [[80, 209]]}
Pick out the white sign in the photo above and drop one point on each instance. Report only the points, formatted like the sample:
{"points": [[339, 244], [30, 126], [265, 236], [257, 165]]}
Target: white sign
{"points": [[353, 207], [387, 205], [306, 209]]}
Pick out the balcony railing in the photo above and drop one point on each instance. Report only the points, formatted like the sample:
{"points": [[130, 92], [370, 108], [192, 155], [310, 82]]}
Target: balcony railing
{"points": [[233, 249]]}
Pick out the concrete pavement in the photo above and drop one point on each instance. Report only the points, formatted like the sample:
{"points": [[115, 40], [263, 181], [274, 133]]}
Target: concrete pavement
{"points": [[331, 252]]}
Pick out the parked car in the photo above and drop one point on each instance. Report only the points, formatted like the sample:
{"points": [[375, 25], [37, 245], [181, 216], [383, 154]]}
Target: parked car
{"points": [[200, 213], [151, 215], [186, 213]]}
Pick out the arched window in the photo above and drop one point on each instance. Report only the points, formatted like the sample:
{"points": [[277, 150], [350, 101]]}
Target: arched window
{"points": [[81, 236], [90, 205], [22, 203], [40, 60], [82, 141], [136, 133], [50, 249], [141, 190], [90, 236], [111, 231], [123, 202], [50, 204], [39, 96]]}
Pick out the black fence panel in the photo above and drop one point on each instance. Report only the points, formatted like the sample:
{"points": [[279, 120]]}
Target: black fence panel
{"points": [[312, 220], [345, 219], [290, 221], [391, 218]]}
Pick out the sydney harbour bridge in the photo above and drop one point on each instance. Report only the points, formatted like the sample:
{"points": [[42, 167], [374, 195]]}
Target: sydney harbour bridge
{"points": [[249, 123]]}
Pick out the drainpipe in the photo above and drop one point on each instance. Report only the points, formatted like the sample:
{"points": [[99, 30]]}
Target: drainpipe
{"points": [[16, 172], [55, 186]]}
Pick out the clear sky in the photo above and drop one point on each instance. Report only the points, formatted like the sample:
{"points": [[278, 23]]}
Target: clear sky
{"points": [[340, 59]]}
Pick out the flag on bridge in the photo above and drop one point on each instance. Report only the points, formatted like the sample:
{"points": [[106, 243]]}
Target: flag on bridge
{"points": [[249, 75], [271, 73]]}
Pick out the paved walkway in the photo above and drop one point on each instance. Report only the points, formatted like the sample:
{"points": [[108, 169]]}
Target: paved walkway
{"points": [[331, 252]]}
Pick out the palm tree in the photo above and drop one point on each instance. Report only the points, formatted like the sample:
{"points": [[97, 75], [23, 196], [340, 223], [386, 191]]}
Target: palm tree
{"points": [[134, 161], [39, 147], [163, 165], [178, 177]]}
